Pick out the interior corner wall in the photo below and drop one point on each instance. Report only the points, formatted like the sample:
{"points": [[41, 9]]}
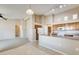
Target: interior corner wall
{"points": [[7, 29], [29, 29]]}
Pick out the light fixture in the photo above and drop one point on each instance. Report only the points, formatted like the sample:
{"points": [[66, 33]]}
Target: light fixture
{"points": [[60, 6], [53, 9], [29, 11], [75, 16], [64, 5], [65, 18]]}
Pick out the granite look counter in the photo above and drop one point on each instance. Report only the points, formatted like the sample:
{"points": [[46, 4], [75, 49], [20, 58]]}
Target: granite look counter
{"points": [[60, 44]]}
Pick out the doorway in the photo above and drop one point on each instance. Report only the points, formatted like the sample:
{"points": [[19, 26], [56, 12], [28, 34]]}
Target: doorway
{"points": [[17, 30], [49, 30], [36, 28]]}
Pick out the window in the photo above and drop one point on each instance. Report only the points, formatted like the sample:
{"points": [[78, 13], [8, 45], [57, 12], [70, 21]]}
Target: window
{"points": [[75, 16]]}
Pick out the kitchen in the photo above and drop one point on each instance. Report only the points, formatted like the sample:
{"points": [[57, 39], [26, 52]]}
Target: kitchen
{"points": [[59, 32]]}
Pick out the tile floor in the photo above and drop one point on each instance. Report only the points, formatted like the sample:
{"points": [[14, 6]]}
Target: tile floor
{"points": [[29, 49]]}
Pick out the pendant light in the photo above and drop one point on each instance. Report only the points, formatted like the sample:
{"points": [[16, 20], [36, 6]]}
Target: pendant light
{"points": [[29, 11]]}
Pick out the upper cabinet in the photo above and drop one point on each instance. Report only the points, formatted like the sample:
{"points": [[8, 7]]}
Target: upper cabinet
{"points": [[47, 20], [69, 16], [43, 20], [38, 19], [50, 19]]}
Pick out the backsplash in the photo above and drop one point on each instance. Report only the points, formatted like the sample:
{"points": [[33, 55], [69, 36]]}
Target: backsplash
{"points": [[66, 29]]}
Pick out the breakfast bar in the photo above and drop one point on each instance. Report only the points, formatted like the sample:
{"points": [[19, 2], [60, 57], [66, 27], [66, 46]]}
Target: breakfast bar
{"points": [[60, 44]]}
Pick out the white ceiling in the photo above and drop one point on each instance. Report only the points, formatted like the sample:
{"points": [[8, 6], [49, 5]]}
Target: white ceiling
{"points": [[18, 11]]}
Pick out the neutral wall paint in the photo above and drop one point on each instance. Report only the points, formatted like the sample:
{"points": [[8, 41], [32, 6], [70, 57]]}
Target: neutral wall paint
{"points": [[29, 30], [59, 18], [7, 29]]}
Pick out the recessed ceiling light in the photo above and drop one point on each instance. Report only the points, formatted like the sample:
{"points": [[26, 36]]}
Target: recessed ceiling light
{"points": [[53, 9], [65, 18], [64, 5], [61, 6]]}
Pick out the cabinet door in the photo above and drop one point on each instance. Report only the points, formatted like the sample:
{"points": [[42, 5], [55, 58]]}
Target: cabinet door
{"points": [[49, 20], [38, 19]]}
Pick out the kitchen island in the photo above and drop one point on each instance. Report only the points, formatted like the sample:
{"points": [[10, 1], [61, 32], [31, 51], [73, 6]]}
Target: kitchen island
{"points": [[60, 44]]}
